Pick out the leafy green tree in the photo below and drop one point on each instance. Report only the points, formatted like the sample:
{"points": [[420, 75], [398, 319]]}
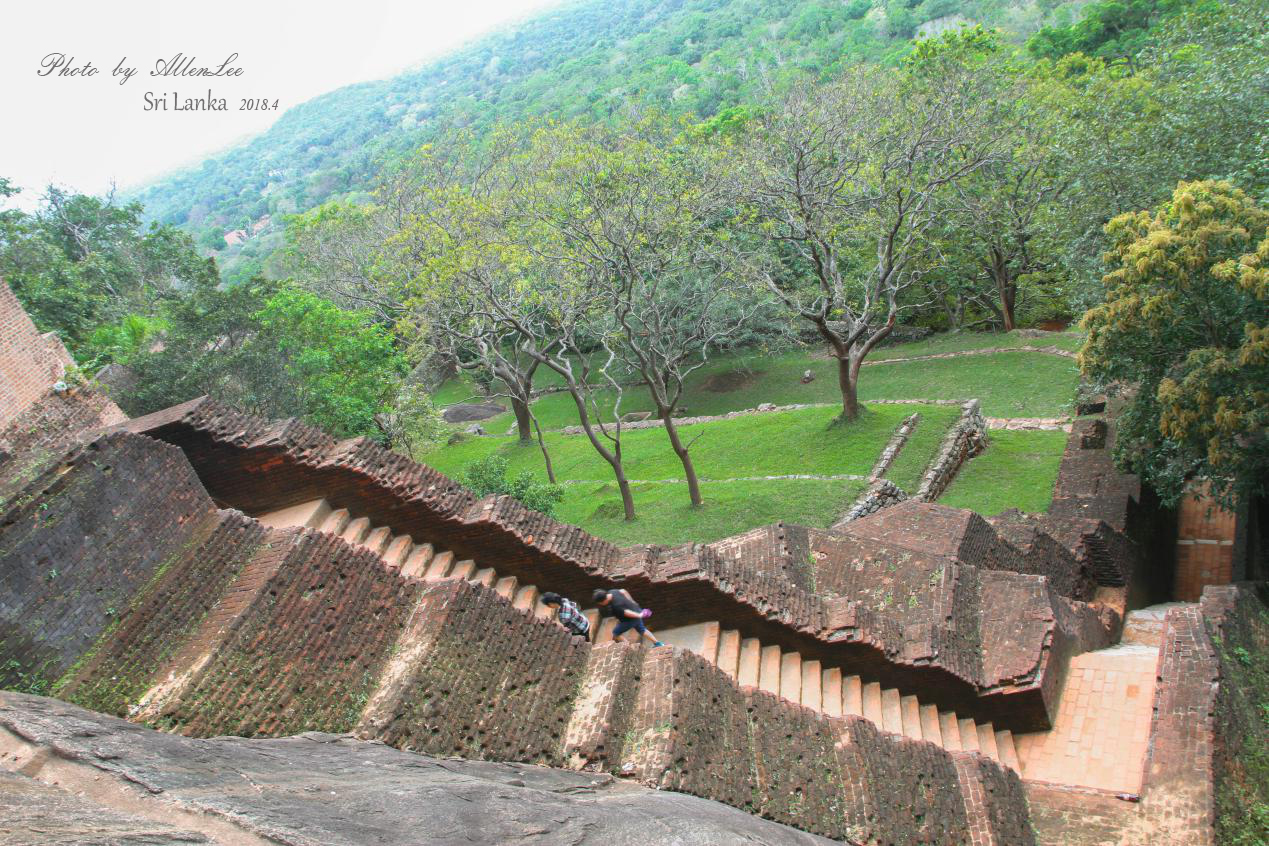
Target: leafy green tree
{"points": [[343, 368], [80, 262], [1185, 327], [847, 180], [488, 476]]}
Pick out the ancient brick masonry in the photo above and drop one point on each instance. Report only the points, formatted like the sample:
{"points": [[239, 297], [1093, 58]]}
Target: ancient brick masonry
{"points": [[29, 362], [165, 614], [276, 631], [82, 536], [305, 653], [762, 582], [693, 730], [483, 681]]}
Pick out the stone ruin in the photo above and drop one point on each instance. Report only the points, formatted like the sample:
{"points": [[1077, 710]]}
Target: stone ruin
{"points": [[917, 675]]}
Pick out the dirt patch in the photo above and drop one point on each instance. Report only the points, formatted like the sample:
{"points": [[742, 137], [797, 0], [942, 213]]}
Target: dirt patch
{"points": [[731, 380], [469, 412]]}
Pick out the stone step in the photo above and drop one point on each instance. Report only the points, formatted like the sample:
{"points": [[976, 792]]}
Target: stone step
{"points": [[464, 569], [440, 566], [377, 540], [969, 735], [853, 696], [750, 662], [987, 741], [910, 714], [769, 669], [950, 731], [812, 692], [309, 515], [872, 703], [526, 599], [729, 652], [711, 634], [416, 563], [336, 522], [891, 712], [398, 551], [831, 685], [930, 728], [1008, 751], [485, 577], [791, 676], [506, 587], [356, 530]]}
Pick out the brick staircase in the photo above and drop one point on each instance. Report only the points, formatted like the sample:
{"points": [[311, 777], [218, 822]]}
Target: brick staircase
{"points": [[1097, 742], [835, 693], [418, 561]]}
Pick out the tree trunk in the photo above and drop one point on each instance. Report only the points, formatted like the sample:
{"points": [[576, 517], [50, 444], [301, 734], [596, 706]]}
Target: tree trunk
{"points": [[1005, 287], [1008, 294], [848, 381], [613, 459], [524, 422], [689, 470], [546, 456]]}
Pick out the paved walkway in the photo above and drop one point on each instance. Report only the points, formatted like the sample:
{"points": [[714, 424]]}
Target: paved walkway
{"points": [[1102, 728]]}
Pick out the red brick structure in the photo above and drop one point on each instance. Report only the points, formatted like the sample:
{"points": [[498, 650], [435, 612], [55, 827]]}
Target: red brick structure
{"points": [[33, 416], [1206, 535], [30, 362]]}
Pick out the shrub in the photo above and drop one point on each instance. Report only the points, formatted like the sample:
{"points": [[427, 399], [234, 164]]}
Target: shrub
{"points": [[489, 476]]}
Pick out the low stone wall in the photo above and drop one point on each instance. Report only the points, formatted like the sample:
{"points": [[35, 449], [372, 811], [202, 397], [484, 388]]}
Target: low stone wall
{"points": [[896, 443], [880, 494], [967, 438]]}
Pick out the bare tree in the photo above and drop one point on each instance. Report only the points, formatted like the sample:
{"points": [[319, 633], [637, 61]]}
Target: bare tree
{"points": [[844, 180], [449, 243]]}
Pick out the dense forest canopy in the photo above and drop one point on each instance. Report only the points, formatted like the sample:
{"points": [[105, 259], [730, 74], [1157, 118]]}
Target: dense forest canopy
{"points": [[610, 194], [586, 60]]}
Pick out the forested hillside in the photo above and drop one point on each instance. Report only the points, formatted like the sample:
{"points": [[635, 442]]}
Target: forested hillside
{"points": [[585, 59]]}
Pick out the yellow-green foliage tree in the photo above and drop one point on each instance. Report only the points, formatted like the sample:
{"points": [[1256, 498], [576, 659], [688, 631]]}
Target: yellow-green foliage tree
{"points": [[1185, 326]]}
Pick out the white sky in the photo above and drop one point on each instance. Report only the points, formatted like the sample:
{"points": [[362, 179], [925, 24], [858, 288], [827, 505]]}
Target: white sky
{"points": [[83, 133]]}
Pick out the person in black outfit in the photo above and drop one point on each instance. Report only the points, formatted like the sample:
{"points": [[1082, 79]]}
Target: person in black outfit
{"points": [[619, 605]]}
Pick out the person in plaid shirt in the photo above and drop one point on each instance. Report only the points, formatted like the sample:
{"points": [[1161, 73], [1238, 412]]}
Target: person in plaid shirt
{"points": [[567, 613]]}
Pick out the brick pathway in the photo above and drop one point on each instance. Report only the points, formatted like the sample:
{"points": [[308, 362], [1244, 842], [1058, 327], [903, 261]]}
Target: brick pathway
{"points": [[1102, 729]]}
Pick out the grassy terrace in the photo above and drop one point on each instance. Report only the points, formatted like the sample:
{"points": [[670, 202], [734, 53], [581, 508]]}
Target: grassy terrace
{"points": [[731, 457], [1017, 470], [1009, 384], [734, 457]]}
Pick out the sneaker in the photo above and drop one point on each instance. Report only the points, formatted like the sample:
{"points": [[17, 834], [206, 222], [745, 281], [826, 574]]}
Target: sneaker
{"points": [[658, 643]]}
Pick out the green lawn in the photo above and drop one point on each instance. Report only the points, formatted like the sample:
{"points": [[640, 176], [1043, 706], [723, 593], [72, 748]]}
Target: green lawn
{"points": [[1017, 470], [727, 454], [1009, 384], [665, 516], [774, 444]]}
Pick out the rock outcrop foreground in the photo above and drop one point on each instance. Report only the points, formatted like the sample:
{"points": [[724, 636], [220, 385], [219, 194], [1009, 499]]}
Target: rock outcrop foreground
{"points": [[75, 776]]}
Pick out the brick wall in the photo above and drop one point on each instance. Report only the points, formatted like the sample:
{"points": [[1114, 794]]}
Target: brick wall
{"points": [[82, 535], [695, 731], [482, 680], [307, 650], [1237, 617], [29, 362], [53, 421], [165, 614], [1204, 546], [1177, 804]]}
